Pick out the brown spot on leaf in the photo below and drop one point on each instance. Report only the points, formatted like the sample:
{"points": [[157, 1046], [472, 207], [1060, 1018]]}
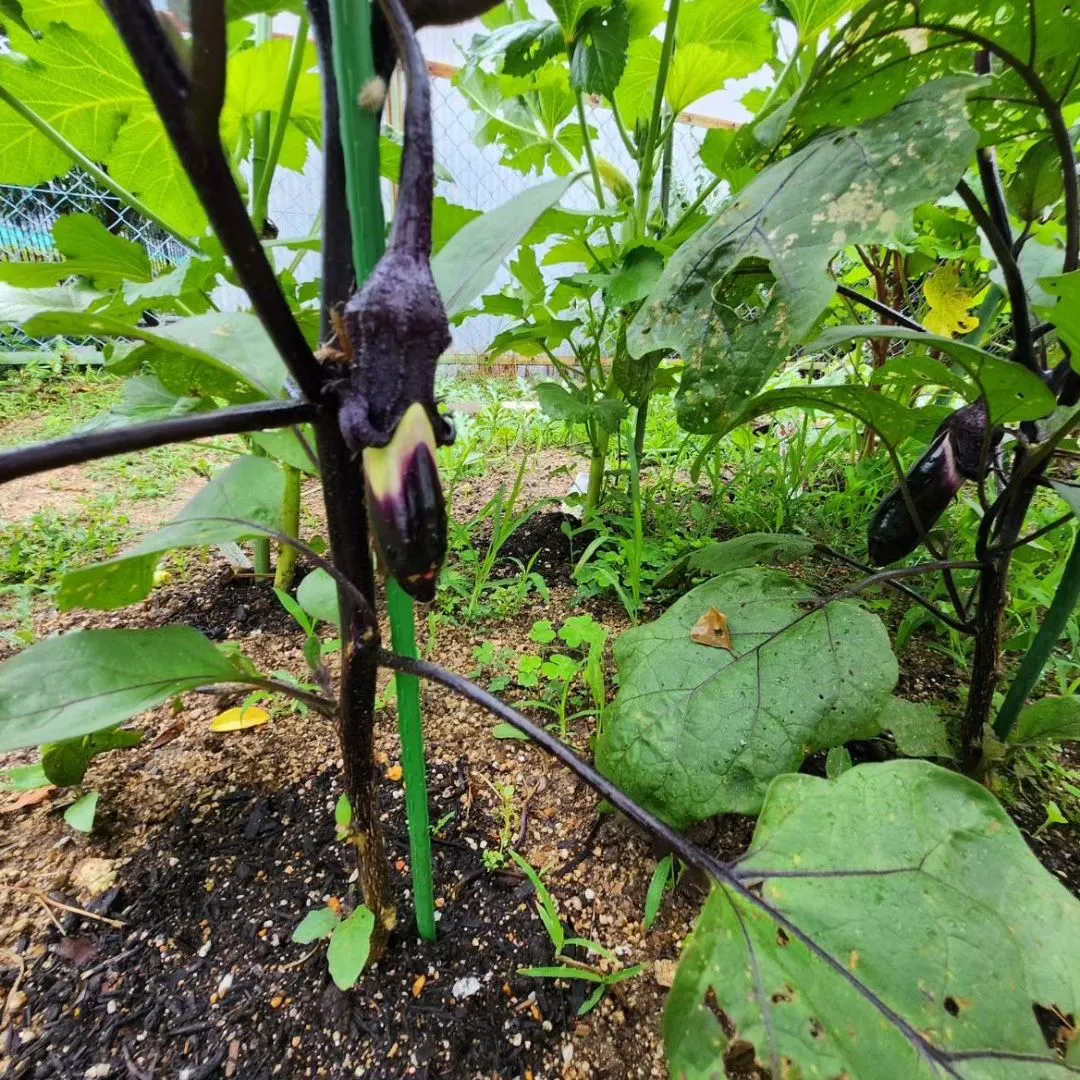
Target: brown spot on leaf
{"points": [[785, 995], [712, 630], [816, 1028], [781, 938], [739, 1055], [1058, 1027]]}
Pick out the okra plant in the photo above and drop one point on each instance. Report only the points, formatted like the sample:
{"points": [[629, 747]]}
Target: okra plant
{"points": [[888, 921]]}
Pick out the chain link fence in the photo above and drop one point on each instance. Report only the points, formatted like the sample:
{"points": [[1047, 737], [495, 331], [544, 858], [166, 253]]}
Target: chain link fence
{"points": [[476, 180]]}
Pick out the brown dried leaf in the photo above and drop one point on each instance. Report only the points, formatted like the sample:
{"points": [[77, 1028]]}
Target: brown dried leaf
{"points": [[28, 798], [712, 630]]}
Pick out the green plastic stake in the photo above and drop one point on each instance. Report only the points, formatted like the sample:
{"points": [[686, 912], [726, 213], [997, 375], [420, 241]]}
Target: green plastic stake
{"points": [[354, 67], [399, 606]]}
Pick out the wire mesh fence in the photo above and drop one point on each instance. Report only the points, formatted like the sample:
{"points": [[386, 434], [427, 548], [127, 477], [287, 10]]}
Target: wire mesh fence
{"points": [[471, 176]]}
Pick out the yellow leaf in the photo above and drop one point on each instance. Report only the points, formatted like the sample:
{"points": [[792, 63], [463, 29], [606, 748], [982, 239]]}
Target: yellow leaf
{"points": [[239, 720], [949, 303]]}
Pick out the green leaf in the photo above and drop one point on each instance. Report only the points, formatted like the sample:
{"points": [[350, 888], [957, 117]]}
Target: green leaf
{"points": [[854, 186], [814, 16], [599, 56], [891, 420], [92, 679], [730, 153], [282, 445], [250, 489], [19, 306], [570, 12], [81, 80], [144, 399], [505, 731], [318, 596], [524, 45], [1011, 391], [1037, 183], [837, 762], [634, 94], [471, 258], [81, 813], [11, 11], [717, 42], [916, 728], [316, 925], [558, 403], [343, 812], [350, 944], [211, 353], [796, 683], [1053, 719], [889, 48], [1065, 314], [65, 763], [937, 935], [657, 887], [91, 251], [750, 549], [23, 778]]}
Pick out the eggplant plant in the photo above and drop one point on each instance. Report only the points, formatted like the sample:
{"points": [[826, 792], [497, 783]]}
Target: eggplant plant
{"points": [[889, 922]]}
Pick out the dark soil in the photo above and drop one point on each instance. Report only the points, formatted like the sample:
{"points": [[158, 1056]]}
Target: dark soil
{"points": [[543, 533], [215, 901], [234, 604]]}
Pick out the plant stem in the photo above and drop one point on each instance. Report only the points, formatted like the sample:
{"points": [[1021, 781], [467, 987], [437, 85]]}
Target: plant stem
{"points": [[596, 474], [354, 163], [89, 167], [1014, 283], [1053, 626], [290, 524], [354, 67], [75, 449], [992, 596], [648, 151], [292, 77], [791, 65], [667, 159], [594, 169], [260, 142], [399, 606]]}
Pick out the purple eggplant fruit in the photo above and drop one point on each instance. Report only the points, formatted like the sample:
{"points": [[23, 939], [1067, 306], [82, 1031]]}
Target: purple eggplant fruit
{"points": [[954, 457], [396, 328], [405, 504]]}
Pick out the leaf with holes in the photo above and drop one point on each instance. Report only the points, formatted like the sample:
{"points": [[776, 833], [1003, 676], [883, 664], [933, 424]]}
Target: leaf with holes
{"points": [[853, 186], [891, 923], [695, 732], [599, 56], [889, 48]]}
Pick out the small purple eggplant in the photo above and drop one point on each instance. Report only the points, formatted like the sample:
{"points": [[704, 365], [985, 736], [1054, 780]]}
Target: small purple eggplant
{"points": [[953, 457], [405, 504]]}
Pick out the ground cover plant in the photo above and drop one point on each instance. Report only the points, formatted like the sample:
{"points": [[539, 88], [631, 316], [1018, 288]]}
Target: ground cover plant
{"points": [[887, 919]]}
